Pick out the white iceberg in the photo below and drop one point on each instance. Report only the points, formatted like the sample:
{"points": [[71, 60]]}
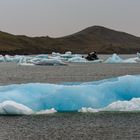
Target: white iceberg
{"points": [[42, 56], [2, 58], [114, 59], [49, 62], [132, 105], [67, 55], [130, 60], [11, 107], [47, 111], [138, 55], [14, 59], [77, 59], [54, 54]]}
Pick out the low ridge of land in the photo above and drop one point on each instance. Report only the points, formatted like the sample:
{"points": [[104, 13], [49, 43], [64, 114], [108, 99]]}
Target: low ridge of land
{"points": [[97, 38]]}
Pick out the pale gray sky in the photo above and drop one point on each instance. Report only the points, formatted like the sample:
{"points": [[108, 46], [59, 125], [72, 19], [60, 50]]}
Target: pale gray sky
{"points": [[63, 17]]}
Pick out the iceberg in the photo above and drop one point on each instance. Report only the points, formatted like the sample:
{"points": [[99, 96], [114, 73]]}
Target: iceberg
{"points": [[13, 108], [49, 62], [67, 55], [77, 59], [31, 61], [120, 94], [54, 54], [10, 107], [42, 56], [114, 59], [2, 58], [130, 60], [132, 105], [14, 59], [138, 54]]}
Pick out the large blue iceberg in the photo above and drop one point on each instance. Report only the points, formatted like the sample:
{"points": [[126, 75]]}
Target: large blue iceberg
{"points": [[37, 97]]}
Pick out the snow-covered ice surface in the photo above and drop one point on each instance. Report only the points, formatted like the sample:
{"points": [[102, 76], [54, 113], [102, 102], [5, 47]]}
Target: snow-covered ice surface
{"points": [[117, 94]]}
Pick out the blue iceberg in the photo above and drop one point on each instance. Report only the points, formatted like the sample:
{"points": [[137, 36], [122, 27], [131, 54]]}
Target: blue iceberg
{"points": [[37, 97]]}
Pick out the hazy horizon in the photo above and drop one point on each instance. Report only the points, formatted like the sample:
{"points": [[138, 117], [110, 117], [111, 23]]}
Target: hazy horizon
{"points": [[60, 18]]}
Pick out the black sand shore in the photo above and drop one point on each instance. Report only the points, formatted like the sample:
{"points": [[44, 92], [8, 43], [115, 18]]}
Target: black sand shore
{"points": [[71, 126], [68, 126]]}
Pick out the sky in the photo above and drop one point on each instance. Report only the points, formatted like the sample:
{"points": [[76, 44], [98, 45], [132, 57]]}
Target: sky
{"points": [[58, 18]]}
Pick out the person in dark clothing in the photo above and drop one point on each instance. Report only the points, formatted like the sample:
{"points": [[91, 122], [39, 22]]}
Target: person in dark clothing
{"points": [[92, 56]]}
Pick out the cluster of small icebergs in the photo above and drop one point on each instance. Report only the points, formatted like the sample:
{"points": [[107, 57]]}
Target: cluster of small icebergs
{"points": [[62, 59]]}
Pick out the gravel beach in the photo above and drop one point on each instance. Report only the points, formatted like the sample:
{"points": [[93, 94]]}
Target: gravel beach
{"points": [[71, 126], [68, 126]]}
